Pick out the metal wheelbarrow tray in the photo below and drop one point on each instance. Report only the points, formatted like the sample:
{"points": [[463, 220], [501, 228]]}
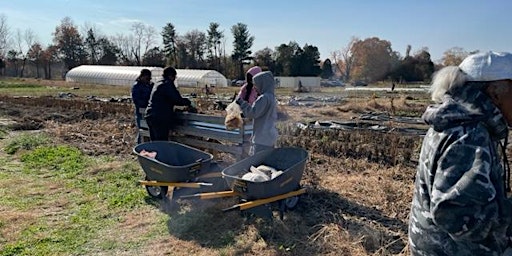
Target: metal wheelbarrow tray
{"points": [[175, 165], [258, 197], [291, 161]]}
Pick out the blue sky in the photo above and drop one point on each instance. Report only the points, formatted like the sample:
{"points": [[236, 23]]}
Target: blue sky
{"points": [[327, 24]]}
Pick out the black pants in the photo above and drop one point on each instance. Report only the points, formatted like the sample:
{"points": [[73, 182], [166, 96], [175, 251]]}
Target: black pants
{"points": [[158, 129]]}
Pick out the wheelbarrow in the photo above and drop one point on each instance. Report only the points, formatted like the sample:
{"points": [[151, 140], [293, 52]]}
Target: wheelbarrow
{"points": [[175, 165], [259, 197]]}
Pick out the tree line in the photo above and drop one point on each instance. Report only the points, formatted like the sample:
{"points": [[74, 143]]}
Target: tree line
{"points": [[371, 59]]}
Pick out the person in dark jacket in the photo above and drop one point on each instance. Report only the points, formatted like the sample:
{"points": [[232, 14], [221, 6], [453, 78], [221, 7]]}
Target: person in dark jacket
{"points": [[460, 204], [160, 114], [141, 91]]}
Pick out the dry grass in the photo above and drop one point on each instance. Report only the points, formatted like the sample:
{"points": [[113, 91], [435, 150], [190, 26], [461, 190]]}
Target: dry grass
{"points": [[392, 105]]}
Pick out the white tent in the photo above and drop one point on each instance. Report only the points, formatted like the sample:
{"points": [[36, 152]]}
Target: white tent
{"points": [[126, 75]]}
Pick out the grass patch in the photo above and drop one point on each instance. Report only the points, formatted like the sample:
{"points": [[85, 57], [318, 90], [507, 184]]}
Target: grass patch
{"points": [[64, 160], [26, 141], [3, 132], [75, 202], [6, 85]]}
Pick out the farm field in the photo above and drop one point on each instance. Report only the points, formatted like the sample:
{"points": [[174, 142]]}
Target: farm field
{"points": [[68, 178]]}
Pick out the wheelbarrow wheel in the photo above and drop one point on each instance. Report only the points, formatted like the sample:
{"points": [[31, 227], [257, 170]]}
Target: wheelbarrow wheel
{"points": [[291, 202], [157, 191]]}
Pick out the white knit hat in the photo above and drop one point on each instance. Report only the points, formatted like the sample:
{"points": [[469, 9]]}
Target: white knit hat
{"points": [[488, 66]]}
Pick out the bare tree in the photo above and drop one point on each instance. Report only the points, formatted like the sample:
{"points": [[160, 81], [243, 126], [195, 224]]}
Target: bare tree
{"points": [[454, 56], [24, 40], [4, 35], [196, 44], [91, 35], [126, 46], [144, 39], [344, 59]]}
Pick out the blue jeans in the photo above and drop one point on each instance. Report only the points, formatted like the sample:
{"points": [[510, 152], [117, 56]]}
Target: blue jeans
{"points": [[138, 117]]}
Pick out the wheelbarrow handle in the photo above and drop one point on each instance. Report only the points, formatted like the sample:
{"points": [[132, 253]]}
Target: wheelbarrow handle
{"points": [[258, 202], [211, 195], [174, 184]]}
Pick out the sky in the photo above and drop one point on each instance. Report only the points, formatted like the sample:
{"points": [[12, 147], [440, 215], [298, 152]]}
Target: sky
{"points": [[330, 25]]}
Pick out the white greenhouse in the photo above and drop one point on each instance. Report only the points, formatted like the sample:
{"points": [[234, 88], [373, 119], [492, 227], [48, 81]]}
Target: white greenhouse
{"points": [[126, 75]]}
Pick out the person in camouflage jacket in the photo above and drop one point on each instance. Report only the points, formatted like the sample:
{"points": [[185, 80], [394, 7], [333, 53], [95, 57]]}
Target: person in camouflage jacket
{"points": [[460, 204]]}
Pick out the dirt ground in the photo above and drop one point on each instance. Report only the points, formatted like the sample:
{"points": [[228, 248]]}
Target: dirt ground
{"points": [[362, 197]]}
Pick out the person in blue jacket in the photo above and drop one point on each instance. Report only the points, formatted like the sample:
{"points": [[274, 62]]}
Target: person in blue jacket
{"points": [[160, 114], [263, 111], [141, 91], [460, 204]]}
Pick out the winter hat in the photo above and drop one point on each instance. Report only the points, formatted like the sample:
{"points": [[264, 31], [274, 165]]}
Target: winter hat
{"points": [[144, 72], [488, 66], [254, 70]]}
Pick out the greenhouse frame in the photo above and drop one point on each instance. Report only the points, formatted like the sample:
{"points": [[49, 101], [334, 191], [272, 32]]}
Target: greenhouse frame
{"points": [[126, 75]]}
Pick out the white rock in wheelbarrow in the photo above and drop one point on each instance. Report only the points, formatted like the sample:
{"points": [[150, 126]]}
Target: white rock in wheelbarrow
{"points": [[269, 171], [255, 177], [261, 173]]}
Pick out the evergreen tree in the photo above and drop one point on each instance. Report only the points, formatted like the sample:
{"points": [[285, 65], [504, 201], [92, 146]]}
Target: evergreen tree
{"points": [[242, 44]]}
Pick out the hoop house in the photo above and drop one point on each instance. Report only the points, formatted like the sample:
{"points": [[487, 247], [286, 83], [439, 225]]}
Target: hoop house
{"points": [[126, 75], [200, 78]]}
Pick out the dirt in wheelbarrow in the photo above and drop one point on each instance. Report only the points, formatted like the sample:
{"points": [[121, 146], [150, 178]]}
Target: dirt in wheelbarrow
{"points": [[359, 183]]}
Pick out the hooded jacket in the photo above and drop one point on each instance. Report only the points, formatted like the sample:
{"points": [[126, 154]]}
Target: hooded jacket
{"points": [[140, 94], [263, 111], [459, 205]]}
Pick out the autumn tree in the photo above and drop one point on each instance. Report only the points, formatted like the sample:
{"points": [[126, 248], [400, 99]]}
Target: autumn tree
{"points": [[373, 59], [49, 56], [242, 44], [214, 37], [70, 44], [454, 56], [169, 37], [35, 55]]}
